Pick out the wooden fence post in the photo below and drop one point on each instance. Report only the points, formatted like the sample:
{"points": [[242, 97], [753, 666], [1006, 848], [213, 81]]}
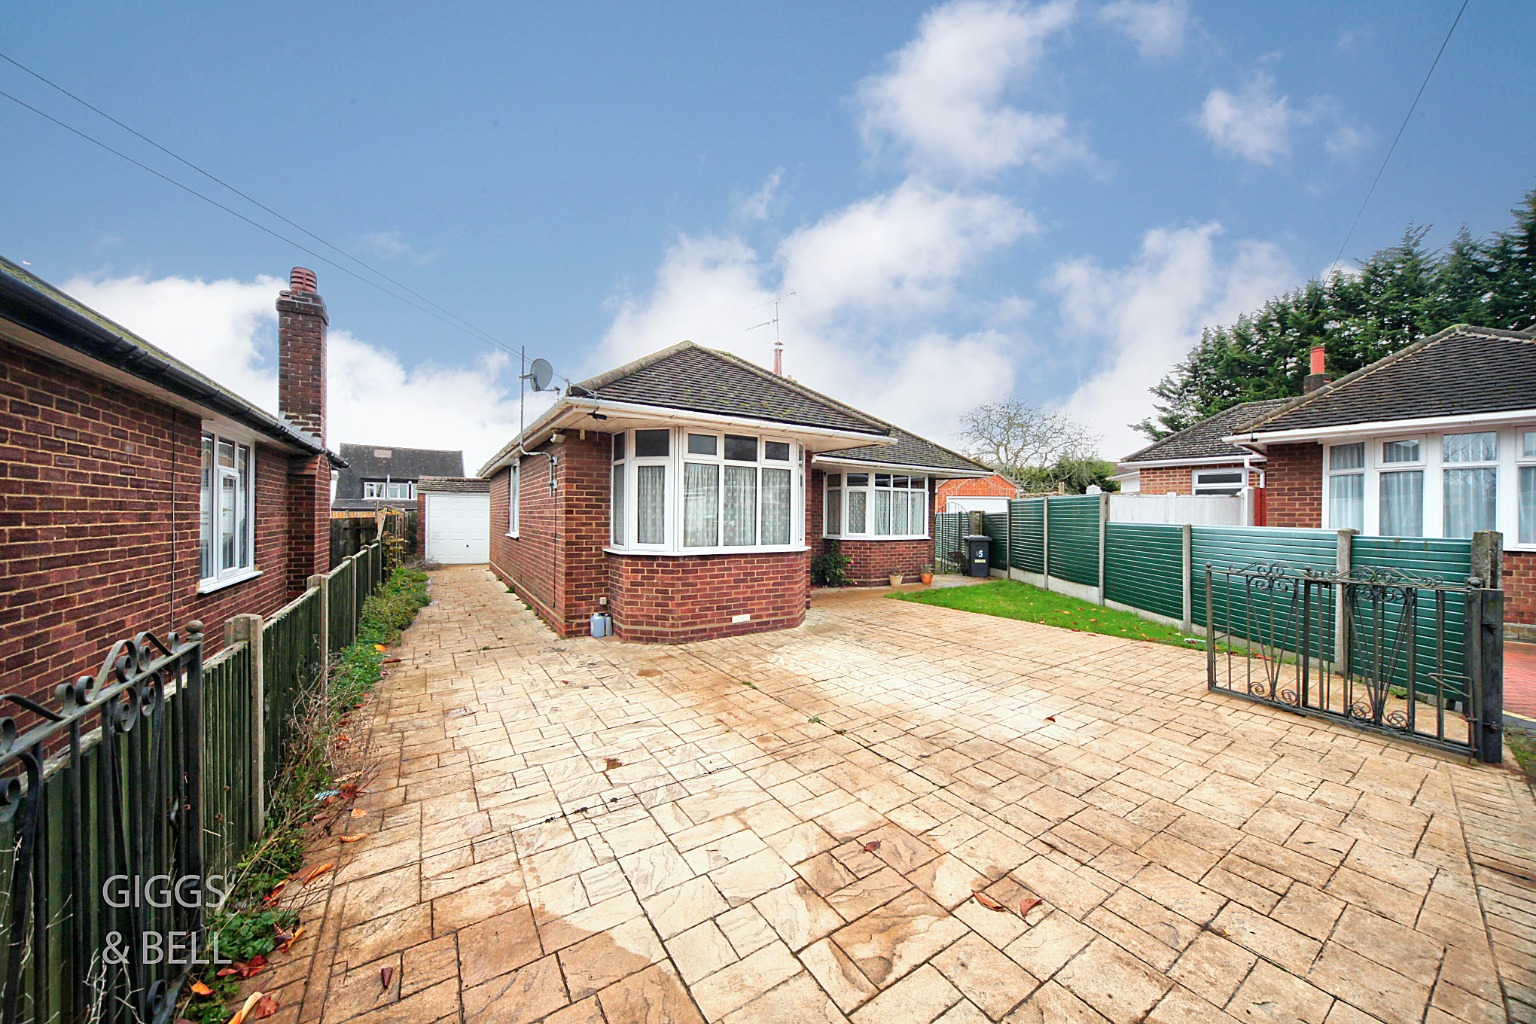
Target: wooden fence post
{"points": [[248, 628], [1186, 540], [317, 582], [1484, 645], [1341, 620]]}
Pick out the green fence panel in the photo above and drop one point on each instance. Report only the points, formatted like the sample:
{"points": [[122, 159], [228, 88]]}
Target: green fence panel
{"points": [[229, 812], [1444, 561], [1074, 537], [1026, 534], [948, 528], [1247, 609], [291, 663], [1143, 567], [995, 525], [342, 621]]}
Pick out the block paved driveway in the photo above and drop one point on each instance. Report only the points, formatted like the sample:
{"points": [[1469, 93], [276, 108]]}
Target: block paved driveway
{"points": [[580, 830]]}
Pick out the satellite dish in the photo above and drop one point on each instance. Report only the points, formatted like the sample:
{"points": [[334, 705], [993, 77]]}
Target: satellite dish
{"points": [[540, 372]]}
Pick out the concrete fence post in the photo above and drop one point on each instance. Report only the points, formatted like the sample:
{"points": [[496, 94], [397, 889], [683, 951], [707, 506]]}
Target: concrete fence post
{"points": [[1103, 534], [248, 629], [1187, 561], [317, 582], [1341, 620], [1045, 543]]}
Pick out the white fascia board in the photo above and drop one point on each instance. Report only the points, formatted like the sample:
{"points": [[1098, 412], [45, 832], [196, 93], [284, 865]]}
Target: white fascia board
{"points": [[1210, 460], [1411, 426], [826, 437], [833, 462]]}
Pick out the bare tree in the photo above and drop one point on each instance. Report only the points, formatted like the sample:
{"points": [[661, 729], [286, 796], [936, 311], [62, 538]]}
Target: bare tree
{"points": [[1012, 436]]}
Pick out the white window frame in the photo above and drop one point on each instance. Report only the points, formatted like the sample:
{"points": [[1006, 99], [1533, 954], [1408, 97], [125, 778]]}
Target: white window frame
{"points": [[673, 532], [378, 490], [1446, 467], [228, 575], [1241, 483], [1511, 457], [840, 531], [514, 497], [1329, 473]]}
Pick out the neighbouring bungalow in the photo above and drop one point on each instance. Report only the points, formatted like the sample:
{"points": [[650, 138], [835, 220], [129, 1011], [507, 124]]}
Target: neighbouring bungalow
{"points": [[977, 494], [385, 476], [137, 493], [687, 492], [1435, 440]]}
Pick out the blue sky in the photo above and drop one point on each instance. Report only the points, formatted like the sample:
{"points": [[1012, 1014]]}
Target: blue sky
{"points": [[968, 199]]}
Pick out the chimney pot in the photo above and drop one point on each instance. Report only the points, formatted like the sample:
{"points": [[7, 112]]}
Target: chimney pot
{"points": [[1319, 375], [302, 279], [1319, 358]]}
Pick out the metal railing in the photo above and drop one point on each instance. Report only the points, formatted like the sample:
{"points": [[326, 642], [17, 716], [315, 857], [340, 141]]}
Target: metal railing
{"points": [[1378, 649]]}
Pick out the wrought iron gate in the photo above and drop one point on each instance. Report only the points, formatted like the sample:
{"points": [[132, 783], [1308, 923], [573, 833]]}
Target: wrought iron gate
{"points": [[100, 793], [1410, 656]]}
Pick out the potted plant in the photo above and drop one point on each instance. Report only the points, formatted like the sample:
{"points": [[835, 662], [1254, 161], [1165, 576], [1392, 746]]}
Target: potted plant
{"points": [[927, 575], [896, 579]]}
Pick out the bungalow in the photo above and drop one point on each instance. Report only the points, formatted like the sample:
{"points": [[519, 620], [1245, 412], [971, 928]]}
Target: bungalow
{"points": [[138, 494], [380, 476], [1435, 440], [686, 493]]}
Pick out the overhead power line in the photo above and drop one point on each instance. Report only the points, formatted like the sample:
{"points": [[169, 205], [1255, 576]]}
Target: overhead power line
{"points": [[443, 315], [1400, 129]]}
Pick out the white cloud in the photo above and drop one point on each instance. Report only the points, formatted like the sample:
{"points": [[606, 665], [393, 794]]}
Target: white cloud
{"points": [[228, 330], [759, 204], [1146, 316], [1255, 124], [1346, 140], [1157, 27], [391, 245], [942, 101]]}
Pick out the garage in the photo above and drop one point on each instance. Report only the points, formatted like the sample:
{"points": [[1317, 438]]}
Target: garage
{"points": [[456, 521]]}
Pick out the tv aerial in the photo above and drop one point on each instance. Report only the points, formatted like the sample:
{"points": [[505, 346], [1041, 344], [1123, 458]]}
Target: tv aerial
{"points": [[778, 345]]}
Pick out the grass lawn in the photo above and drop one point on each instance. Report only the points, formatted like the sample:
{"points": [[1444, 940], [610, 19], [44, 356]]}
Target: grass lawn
{"points": [[1012, 600]]}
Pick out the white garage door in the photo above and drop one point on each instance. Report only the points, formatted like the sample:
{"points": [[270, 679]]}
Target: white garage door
{"points": [[458, 528]]}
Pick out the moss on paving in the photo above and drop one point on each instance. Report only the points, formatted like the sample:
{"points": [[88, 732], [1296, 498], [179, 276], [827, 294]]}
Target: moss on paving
{"points": [[1009, 599]]}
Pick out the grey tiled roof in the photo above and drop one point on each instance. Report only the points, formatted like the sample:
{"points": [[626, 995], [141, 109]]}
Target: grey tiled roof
{"points": [[689, 376], [1203, 440], [909, 450], [454, 484], [376, 462], [1461, 371]]}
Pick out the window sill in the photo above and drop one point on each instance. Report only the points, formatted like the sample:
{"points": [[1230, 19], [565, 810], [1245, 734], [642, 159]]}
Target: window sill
{"points": [[691, 552], [878, 537], [209, 586], [513, 536]]}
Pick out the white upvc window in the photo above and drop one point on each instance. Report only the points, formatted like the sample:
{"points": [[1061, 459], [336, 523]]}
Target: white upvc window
{"points": [[1471, 482], [1525, 471], [226, 500], [389, 490], [878, 506], [1219, 481], [1400, 493], [514, 496], [1346, 486], [696, 491]]}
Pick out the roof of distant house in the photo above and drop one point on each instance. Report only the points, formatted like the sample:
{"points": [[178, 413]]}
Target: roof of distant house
{"points": [[909, 450], [1203, 441], [379, 462], [453, 485], [689, 376], [55, 316], [1461, 371]]}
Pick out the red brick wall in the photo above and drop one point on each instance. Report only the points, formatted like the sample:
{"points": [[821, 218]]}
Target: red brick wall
{"points": [[556, 563], [1293, 485], [992, 486], [91, 548], [1181, 479], [666, 599], [301, 325], [1520, 588]]}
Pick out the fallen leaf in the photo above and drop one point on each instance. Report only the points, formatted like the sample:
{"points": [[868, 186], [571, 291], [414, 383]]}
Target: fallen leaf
{"points": [[1030, 903], [266, 1006], [358, 812], [287, 940], [380, 647], [250, 1004], [353, 839], [386, 975], [390, 661], [199, 989], [277, 891], [872, 846], [1051, 718], [315, 873], [989, 902]]}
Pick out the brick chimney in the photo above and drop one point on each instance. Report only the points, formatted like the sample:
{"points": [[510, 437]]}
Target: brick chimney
{"points": [[301, 327], [1319, 374]]}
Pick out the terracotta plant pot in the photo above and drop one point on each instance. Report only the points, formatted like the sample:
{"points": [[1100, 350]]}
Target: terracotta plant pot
{"points": [[896, 579], [927, 578]]}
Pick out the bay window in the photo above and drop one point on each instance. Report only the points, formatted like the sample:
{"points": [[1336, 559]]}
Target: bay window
{"points": [[1402, 489], [878, 505], [1346, 486], [1471, 482], [735, 491], [1526, 469], [226, 544]]}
